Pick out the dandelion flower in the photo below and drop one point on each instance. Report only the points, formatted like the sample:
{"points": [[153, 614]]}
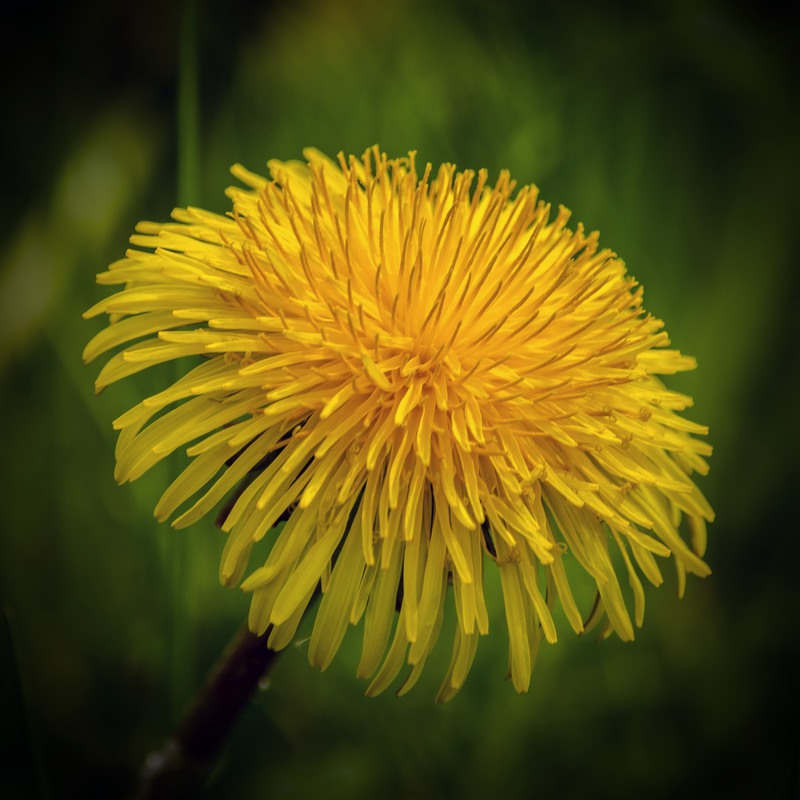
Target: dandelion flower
{"points": [[423, 376]]}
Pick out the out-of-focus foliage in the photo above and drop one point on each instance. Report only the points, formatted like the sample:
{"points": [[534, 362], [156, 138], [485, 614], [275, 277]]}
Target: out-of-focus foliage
{"points": [[670, 127]]}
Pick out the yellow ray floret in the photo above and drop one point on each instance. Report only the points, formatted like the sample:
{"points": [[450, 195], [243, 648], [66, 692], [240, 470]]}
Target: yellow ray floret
{"points": [[426, 376]]}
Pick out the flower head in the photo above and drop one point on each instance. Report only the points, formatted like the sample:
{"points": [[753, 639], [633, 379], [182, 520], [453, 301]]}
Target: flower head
{"points": [[424, 376]]}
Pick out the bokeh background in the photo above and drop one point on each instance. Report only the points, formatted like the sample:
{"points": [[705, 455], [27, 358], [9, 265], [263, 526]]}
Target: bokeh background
{"points": [[669, 126]]}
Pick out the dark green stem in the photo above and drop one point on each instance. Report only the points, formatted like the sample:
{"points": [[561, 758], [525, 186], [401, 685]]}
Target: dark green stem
{"points": [[180, 769], [188, 108]]}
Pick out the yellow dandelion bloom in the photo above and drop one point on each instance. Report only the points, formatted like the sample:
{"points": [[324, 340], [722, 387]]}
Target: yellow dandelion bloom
{"points": [[424, 376]]}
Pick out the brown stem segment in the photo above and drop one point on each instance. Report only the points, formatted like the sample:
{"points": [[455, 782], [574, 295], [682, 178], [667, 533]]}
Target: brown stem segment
{"points": [[180, 769]]}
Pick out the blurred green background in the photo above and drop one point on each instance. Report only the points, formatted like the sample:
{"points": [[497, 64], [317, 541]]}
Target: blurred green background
{"points": [[669, 126]]}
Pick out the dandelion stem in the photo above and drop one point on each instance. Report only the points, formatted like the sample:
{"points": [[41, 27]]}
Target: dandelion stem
{"points": [[180, 769], [188, 108]]}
